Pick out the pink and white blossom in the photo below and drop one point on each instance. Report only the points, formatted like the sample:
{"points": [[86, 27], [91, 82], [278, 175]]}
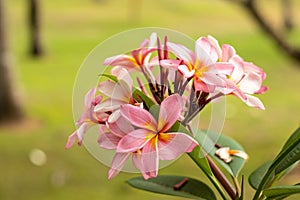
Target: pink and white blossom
{"points": [[248, 79], [138, 58], [199, 65], [87, 119], [118, 93], [152, 140]]}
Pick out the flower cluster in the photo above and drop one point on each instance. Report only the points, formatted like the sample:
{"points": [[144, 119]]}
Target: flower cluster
{"points": [[179, 83]]}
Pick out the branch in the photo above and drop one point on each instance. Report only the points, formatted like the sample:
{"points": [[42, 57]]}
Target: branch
{"points": [[289, 49]]}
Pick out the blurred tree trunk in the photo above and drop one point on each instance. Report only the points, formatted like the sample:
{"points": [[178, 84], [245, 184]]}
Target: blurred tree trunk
{"points": [[287, 14], [36, 47], [10, 107]]}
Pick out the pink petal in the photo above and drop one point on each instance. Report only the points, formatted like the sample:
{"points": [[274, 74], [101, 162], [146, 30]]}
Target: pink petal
{"points": [[254, 102], [114, 116], [185, 71], [120, 127], [138, 117], [201, 86], [118, 163], [107, 139], [251, 83], [223, 68], [108, 105], [227, 52], [210, 49], [150, 159], [239, 93], [238, 71], [78, 135], [214, 42], [174, 144], [170, 63], [101, 117], [262, 90], [117, 91], [203, 56], [123, 76], [134, 140], [144, 43], [153, 39], [212, 79], [136, 160], [169, 113], [71, 140], [228, 87], [97, 100], [89, 97], [181, 52], [82, 130], [122, 60]]}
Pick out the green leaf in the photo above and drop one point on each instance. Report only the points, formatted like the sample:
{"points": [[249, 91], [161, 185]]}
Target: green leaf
{"points": [[257, 175], [174, 185], [289, 154], [207, 142], [139, 96], [293, 137], [111, 77], [281, 191]]}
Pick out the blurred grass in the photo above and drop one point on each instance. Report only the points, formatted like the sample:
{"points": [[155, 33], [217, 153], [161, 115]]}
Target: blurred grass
{"points": [[71, 29]]}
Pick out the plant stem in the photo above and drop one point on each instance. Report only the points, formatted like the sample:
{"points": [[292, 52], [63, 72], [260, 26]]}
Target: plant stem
{"points": [[212, 179], [236, 184], [222, 178]]}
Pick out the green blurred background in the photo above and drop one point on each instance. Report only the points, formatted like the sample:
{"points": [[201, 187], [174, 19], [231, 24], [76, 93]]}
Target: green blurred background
{"points": [[70, 30]]}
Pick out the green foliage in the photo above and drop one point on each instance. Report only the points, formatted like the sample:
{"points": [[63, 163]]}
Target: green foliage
{"points": [[257, 175], [176, 186], [281, 192], [139, 96], [289, 154]]}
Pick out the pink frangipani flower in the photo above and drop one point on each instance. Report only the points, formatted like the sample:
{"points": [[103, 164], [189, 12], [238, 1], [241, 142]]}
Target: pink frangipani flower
{"points": [[88, 118], [152, 141], [217, 53], [118, 93], [248, 79], [199, 65], [138, 58]]}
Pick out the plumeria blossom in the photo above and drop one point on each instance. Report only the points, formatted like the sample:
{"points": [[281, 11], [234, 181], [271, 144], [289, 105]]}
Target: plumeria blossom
{"points": [[138, 58], [88, 118], [110, 136], [152, 140], [200, 66], [248, 79], [226, 154], [179, 84], [118, 93], [217, 53]]}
